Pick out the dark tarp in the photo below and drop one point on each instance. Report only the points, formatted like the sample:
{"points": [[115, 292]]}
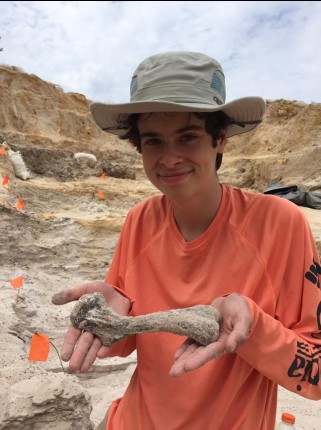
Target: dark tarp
{"points": [[295, 195]]}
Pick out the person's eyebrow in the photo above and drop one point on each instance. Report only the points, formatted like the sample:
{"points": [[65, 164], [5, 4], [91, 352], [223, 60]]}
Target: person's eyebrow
{"points": [[149, 134], [180, 130], [189, 128]]}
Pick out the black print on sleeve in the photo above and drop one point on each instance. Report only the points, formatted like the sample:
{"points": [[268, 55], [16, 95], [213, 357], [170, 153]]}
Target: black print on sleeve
{"points": [[313, 275], [306, 365], [317, 335]]}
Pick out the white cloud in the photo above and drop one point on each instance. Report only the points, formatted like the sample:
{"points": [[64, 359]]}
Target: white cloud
{"points": [[270, 49]]}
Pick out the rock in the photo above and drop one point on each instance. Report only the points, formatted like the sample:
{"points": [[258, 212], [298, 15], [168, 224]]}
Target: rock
{"points": [[43, 401]]}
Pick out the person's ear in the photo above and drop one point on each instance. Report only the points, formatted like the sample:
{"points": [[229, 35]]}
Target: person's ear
{"points": [[221, 142]]}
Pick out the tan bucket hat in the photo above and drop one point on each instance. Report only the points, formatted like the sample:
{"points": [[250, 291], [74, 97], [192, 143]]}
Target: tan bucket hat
{"points": [[180, 82]]}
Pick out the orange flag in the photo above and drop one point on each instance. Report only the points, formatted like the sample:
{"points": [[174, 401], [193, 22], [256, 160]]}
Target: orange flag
{"points": [[17, 282], [101, 195], [2, 150], [20, 204], [39, 347], [5, 179], [103, 176]]}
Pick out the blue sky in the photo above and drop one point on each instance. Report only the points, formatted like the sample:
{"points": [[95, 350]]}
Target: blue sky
{"points": [[268, 48]]}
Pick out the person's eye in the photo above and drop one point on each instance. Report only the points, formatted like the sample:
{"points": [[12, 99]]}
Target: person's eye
{"points": [[151, 142], [188, 137]]}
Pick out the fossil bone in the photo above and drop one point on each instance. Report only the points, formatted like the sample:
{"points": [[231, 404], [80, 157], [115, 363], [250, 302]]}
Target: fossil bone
{"points": [[92, 313]]}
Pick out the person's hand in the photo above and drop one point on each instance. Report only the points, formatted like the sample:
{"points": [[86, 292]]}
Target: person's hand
{"points": [[235, 325], [82, 348]]}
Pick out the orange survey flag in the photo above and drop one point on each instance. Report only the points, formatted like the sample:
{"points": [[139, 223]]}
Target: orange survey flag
{"points": [[101, 195], [17, 282], [39, 347], [20, 204], [5, 179], [2, 150], [103, 176]]}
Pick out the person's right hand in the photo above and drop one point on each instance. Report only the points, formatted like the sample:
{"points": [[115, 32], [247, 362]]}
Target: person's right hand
{"points": [[82, 348]]}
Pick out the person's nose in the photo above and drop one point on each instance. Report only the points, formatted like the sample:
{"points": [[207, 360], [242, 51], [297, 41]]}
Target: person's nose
{"points": [[170, 156]]}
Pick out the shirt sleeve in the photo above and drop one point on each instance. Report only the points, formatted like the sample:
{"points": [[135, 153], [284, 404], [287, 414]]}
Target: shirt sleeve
{"points": [[286, 346]]}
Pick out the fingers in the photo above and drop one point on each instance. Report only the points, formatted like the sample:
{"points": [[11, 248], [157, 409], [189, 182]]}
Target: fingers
{"points": [[236, 338], [66, 296], [69, 295], [103, 351], [195, 356], [60, 298], [183, 348], [236, 321], [69, 343], [84, 352], [81, 349], [90, 356], [183, 355]]}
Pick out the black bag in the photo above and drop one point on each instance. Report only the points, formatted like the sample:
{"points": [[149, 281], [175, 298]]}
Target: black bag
{"points": [[295, 195]]}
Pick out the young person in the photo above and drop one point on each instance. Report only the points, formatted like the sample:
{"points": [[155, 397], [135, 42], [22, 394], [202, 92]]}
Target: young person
{"points": [[252, 256]]}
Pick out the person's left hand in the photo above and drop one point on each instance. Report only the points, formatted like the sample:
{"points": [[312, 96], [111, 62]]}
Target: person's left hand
{"points": [[235, 326]]}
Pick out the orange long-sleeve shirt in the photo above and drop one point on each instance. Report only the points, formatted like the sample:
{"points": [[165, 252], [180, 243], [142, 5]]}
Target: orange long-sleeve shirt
{"points": [[259, 246]]}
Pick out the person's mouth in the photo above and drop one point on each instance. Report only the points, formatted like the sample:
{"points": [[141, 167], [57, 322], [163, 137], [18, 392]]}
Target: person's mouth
{"points": [[174, 177]]}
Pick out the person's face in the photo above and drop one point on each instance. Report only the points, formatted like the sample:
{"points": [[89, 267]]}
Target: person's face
{"points": [[178, 154]]}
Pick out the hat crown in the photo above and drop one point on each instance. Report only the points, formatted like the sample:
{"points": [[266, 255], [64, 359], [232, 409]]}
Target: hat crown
{"points": [[179, 77], [179, 82]]}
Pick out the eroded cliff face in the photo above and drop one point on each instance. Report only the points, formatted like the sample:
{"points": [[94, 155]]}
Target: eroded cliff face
{"points": [[285, 148], [48, 126], [66, 233]]}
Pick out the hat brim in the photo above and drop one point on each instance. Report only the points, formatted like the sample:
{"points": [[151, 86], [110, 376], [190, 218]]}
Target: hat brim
{"points": [[244, 110]]}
